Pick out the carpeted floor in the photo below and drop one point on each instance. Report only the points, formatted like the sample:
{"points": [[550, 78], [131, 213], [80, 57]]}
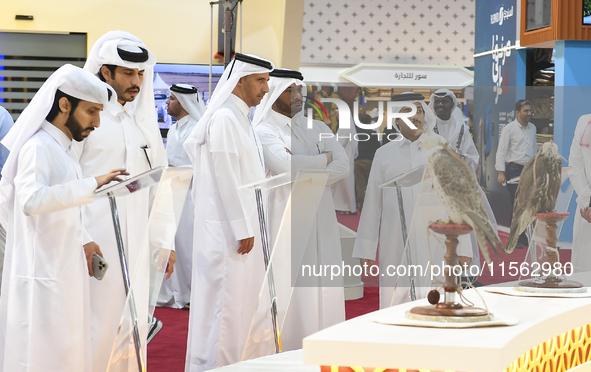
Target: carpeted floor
{"points": [[166, 352]]}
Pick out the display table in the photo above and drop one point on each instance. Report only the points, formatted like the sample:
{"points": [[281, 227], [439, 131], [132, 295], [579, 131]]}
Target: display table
{"points": [[363, 342], [288, 361]]}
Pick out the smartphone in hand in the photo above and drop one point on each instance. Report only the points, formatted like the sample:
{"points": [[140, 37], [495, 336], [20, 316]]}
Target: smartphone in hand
{"points": [[99, 266]]}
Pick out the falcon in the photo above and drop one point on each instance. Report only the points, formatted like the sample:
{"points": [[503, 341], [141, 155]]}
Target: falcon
{"points": [[537, 191], [458, 190]]}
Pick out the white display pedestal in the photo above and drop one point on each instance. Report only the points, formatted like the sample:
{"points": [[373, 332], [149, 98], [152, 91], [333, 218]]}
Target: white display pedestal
{"points": [[363, 342], [353, 284], [287, 361]]}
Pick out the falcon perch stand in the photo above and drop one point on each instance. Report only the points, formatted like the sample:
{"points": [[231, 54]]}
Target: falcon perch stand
{"points": [[551, 281], [449, 307]]}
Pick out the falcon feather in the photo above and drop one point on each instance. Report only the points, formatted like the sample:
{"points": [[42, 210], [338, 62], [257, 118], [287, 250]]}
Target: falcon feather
{"points": [[537, 191], [457, 187]]}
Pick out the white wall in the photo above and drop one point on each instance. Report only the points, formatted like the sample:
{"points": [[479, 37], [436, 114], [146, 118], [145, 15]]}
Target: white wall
{"points": [[177, 31], [404, 31]]}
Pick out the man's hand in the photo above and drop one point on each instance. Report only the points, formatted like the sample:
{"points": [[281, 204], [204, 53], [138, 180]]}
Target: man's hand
{"points": [[112, 175], [502, 180], [586, 214], [170, 266], [464, 261], [246, 245], [365, 261], [328, 157], [89, 250]]}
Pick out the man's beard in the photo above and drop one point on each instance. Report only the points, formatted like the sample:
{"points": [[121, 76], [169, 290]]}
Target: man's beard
{"points": [[288, 110], [135, 87], [121, 91], [76, 128]]}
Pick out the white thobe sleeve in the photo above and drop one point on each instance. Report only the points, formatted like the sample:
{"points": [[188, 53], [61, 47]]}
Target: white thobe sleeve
{"points": [[160, 159], [278, 160], [163, 220], [346, 137], [343, 136], [578, 174], [469, 150], [502, 149], [86, 238], [339, 167], [225, 150], [32, 185], [368, 232], [169, 150]]}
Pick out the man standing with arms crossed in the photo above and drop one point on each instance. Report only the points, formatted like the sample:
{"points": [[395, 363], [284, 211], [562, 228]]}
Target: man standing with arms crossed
{"points": [[289, 145], [129, 138]]}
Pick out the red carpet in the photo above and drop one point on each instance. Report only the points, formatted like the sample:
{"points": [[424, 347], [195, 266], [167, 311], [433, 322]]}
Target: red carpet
{"points": [[166, 352]]}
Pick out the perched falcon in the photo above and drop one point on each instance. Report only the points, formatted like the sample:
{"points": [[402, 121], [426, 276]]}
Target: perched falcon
{"points": [[457, 187], [538, 188]]}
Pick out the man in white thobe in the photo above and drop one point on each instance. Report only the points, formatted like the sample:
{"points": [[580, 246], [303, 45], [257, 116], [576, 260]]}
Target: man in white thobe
{"points": [[44, 310], [343, 191], [380, 223], [227, 271], [186, 106], [451, 126], [6, 123], [289, 146], [129, 137], [580, 175]]}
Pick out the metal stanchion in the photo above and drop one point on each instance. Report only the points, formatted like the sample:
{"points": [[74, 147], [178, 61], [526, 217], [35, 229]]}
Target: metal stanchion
{"points": [[127, 282], [269, 268], [413, 294]]}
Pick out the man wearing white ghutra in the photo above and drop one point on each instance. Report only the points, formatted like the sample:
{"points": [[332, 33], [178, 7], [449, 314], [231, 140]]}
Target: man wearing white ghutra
{"points": [[227, 271], [129, 137], [289, 145], [186, 106], [44, 306]]}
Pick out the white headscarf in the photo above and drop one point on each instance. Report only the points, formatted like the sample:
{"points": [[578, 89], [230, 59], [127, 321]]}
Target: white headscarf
{"points": [[277, 85], [374, 113], [69, 79], [430, 118], [456, 118], [191, 102], [104, 52], [233, 72]]}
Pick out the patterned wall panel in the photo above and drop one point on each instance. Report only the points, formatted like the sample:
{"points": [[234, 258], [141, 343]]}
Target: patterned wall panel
{"points": [[389, 31]]}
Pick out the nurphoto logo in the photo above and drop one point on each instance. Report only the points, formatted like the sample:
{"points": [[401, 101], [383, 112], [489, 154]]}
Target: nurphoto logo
{"points": [[345, 115]]}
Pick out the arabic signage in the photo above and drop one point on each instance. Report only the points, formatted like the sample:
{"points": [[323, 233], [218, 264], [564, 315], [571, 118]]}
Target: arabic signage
{"points": [[495, 19], [494, 79], [408, 76]]}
